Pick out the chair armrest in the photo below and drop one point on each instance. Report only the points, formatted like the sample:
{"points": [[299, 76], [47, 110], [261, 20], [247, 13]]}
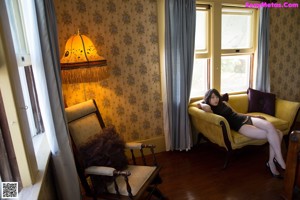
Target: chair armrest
{"points": [[138, 145], [112, 172], [133, 145], [105, 171]]}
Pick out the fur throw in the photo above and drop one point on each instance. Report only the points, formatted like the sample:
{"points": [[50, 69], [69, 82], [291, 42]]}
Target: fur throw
{"points": [[106, 149]]}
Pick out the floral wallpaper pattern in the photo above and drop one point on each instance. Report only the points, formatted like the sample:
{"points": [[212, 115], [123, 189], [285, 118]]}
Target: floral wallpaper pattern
{"points": [[284, 60], [125, 33]]}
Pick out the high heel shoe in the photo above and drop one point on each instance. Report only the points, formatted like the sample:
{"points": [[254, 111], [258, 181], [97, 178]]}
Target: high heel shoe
{"points": [[279, 176], [278, 165]]}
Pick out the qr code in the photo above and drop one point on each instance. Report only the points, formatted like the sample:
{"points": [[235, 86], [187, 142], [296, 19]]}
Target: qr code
{"points": [[9, 190]]}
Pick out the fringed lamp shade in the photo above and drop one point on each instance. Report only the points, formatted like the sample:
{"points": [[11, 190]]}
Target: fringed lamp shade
{"points": [[81, 62]]}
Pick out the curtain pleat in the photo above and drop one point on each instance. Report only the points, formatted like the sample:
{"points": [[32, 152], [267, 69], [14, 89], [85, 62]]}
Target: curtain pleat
{"points": [[180, 16], [263, 72], [67, 183]]}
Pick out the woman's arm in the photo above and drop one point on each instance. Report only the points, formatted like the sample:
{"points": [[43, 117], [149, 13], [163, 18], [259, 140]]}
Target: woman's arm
{"points": [[204, 107], [257, 116]]}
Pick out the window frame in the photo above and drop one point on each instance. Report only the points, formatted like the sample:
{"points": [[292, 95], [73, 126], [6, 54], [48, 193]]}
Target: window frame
{"points": [[253, 28], [9, 170], [243, 51], [205, 53], [23, 58], [251, 69], [216, 52], [12, 57]]}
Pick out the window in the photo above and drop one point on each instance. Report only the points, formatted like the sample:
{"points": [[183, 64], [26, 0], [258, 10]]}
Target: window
{"points": [[32, 103], [237, 28], [237, 49], [200, 79], [19, 92], [25, 68], [235, 73], [224, 59]]}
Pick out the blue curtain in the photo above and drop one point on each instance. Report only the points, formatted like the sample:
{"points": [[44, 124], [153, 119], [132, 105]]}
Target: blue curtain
{"points": [[263, 72], [179, 51], [66, 179]]}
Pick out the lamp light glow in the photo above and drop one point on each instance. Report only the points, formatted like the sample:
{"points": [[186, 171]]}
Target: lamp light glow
{"points": [[81, 62]]}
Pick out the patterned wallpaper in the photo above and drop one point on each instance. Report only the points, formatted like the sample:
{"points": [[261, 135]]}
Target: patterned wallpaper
{"points": [[125, 33], [284, 60]]}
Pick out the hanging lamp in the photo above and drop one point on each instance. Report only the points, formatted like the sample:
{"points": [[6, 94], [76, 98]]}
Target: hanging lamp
{"points": [[81, 62]]}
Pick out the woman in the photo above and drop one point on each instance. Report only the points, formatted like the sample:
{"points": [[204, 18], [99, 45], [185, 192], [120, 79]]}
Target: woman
{"points": [[251, 126]]}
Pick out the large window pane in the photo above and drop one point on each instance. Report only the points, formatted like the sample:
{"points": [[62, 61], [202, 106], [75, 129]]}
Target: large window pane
{"points": [[199, 81], [235, 73], [201, 40], [236, 31]]}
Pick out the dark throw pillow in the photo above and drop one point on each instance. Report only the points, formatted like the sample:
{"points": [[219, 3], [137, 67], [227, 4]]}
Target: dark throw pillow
{"points": [[225, 97], [261, 102], [106, 149]]}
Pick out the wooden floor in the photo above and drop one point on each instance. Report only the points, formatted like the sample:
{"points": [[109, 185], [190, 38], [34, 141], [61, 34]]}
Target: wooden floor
{"points": [[198, 174]]}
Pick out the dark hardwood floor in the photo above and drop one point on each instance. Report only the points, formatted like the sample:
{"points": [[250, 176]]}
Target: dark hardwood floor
{"points": [[198, 174]]}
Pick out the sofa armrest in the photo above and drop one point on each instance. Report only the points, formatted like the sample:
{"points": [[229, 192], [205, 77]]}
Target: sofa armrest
{"points": [[206, 116], [286, 110], [212, 126]]}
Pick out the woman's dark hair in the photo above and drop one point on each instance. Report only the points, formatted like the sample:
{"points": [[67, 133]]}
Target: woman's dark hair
{"points": [[209, 93]]}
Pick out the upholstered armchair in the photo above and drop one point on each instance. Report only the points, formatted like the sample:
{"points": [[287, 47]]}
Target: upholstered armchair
{"points": [[116, 178]]}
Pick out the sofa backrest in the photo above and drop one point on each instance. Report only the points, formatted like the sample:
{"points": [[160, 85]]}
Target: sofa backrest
{"points": [[239, 102]]}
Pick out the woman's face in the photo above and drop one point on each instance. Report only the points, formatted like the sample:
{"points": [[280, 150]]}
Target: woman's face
{"points": [[214, 100]]}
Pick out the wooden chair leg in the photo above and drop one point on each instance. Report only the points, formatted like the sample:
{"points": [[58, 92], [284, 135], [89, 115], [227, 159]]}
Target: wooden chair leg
{"points": [[228, 157], [154, 191], [199, 138], [159, 194], [286, 140], [157, 180], [291, 166]]}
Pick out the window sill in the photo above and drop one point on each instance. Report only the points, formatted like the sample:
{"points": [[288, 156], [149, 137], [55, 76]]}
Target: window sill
{"points": [[42, 152]]}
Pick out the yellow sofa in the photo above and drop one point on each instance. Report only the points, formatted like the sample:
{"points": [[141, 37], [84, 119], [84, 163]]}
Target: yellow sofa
{"points": [[216, 128]]}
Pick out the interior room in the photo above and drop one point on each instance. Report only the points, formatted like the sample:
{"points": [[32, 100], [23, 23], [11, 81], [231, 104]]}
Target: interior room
{"points": [[134, 97]]}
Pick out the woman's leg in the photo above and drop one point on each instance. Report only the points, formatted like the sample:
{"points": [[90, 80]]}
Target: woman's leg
{"points": [[263, 129], [274, 138], [272, 155], [280, 134], [257, 133]]}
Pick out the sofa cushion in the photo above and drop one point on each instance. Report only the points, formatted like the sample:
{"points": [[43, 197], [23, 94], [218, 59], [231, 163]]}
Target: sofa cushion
{"points": [[241, 140], [239, 102], [261, 102], [278, 123]]}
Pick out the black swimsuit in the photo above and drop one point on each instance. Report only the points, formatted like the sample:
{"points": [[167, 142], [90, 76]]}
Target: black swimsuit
{"points": [[235, 120]]}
